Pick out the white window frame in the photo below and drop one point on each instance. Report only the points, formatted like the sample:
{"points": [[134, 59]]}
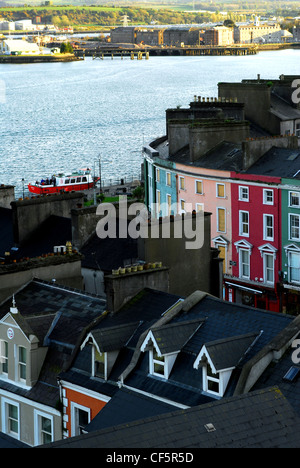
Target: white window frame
{"points": [[218, 219], [181, 179], [157, 174], [21, 364], [241, 275], [94, 373], [241, 194], [266, 227], [241, 224], [38, 415], [5, 403], [196, 191], [292, 194], [153, 361], [265, 197], [182, 206], [297, 227], [168, 175], [169, 205], [217, 186], [208, 378], [3, 357], [289, 253], [265, 254], [74, 421], [158, 202]]}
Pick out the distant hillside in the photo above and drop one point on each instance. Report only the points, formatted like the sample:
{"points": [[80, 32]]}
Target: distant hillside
{"points": [[106, 16]]}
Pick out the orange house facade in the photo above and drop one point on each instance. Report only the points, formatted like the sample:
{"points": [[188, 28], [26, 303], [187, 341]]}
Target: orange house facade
{"points": [[80, 406]]}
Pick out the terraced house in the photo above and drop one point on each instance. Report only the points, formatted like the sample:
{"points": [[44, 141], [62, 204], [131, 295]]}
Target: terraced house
{"points": [[39, 330], [224, 163]]}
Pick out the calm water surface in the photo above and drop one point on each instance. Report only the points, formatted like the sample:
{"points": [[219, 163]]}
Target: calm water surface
{"points": [[62, 116]]}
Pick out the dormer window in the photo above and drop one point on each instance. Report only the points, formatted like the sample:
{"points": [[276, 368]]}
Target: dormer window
{"points": [[99, 363], [157, 363], [164, 343], [219, 358], [106, 344], [211, 380]]}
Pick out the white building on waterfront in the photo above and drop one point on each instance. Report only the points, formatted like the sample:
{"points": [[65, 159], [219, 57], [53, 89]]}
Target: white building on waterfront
{"points": [[25, 25], [18, 47]]}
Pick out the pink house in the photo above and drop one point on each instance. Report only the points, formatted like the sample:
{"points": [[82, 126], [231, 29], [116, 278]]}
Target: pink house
{"points": [[209, 190]]}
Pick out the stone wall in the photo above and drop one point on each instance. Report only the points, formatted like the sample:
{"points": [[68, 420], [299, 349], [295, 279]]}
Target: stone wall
{"points": [[65, 270], [203, 136], [257, 99], [29, 214], [189, 269], [7, 195], [254, 149], [122, 287]]}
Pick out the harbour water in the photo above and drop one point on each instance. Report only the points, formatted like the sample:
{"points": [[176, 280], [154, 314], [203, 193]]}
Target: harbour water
{"points": [[56, 117]]}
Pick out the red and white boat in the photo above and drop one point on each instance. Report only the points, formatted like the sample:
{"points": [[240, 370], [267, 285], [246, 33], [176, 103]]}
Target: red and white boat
{"points": [[76, 181]]}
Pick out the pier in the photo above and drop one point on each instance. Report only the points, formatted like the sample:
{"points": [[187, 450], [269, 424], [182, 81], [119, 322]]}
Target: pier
{"points": [[146, 52], [39, 58]]}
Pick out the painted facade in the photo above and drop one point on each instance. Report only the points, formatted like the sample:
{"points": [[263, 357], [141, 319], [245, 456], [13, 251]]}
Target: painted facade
{"points": [[81, 406], [21, 360], [256, 239], [291, 244], [161, 187], [210, 191]]}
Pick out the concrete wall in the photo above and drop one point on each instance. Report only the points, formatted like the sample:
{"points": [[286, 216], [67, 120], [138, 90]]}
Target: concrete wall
{"points": [[257, 99], [28, 214], [254, 149], [204, 136], [190, 269], [178, 133], [121, 288], [66, 271], [7, 195]]}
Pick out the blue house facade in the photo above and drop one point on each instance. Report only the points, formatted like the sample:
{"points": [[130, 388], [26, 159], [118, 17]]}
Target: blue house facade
{"points": [[160, 184]]}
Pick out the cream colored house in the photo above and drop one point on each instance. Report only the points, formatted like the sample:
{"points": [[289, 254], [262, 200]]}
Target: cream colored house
{"points": [[18, 47], [258, 33]]}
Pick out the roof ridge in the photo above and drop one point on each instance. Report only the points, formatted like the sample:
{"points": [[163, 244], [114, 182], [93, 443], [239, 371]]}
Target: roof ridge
{"points": [[179, 323], [232, 338]]}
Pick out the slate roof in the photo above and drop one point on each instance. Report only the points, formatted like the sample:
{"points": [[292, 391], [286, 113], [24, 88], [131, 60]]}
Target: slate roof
{"points": [[114, 338], [237, 330], [261, 419], [172, 337], [223, 320], [228, 352], [133, 319], [60, 317], [278, 162], [10, 442], [126, 406], [274, 375]]}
